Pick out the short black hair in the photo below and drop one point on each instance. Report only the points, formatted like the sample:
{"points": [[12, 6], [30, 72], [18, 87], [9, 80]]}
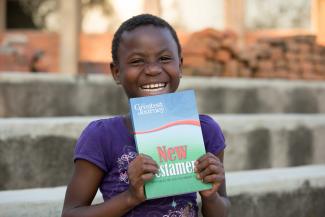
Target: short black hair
{"points": [[136, 21]]}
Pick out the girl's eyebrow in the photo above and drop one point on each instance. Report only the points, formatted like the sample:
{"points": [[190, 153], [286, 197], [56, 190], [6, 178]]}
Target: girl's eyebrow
{"points": [[164, 50], [143, 54], [135, 53]]}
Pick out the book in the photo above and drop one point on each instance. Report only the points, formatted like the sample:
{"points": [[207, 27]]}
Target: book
{"points": [[167, 128]]}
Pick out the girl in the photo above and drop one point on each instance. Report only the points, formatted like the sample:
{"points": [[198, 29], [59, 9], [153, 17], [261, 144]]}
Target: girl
{"points": [[147, 60]]}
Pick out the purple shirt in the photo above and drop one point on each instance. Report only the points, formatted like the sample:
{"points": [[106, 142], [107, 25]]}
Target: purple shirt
{"points": [[108, 144]]}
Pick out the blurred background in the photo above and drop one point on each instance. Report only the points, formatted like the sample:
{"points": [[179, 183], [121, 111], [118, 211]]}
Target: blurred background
{"points": [[257, 67], [75, 37]]}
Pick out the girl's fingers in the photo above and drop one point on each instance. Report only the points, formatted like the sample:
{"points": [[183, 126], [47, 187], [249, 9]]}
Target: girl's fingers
{"points": [[149, 168], [206, 156], [202, 165], [213, 178], [211, 169], [150, 162], [145, 159], [209, 172], [142, 165], [147, 176]]}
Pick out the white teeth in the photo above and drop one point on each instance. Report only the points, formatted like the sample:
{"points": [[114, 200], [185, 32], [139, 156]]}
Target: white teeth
{"points": [[153, 87]]}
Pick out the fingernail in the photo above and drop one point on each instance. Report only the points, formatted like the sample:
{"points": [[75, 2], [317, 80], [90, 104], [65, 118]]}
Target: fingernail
{"points": [[198, 176]]}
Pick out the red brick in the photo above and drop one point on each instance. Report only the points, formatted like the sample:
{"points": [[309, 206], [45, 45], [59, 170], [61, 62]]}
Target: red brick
{"points": [[280, 73], [202, 39], [307, 67], [231, 69], [265, 65], [283, 64], [309, 39], [208, 33], [14, 62], [261, 74], [211, 69], [212, 44], [318, 49], [311, 76], [276, 53], [217, 68], [303, 57], [294, 76], [294, 68], [230, 43], [194, 61], [198, 51], [94, 68], [316, 58], [244, 71], [290, 56], [320, 68], [222, 55], [304, 48], [95, 47], [293, 47]]}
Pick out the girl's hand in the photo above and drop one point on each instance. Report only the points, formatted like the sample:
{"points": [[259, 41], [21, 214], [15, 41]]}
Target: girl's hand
{"points": [[210, 169], [141, 169]]}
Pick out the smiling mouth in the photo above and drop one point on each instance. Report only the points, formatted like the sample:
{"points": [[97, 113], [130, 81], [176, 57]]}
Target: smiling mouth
{"points": [[154, 87]]}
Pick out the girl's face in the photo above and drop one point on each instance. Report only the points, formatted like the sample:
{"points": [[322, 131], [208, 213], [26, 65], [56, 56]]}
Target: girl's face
{"points": [[149, 63]]}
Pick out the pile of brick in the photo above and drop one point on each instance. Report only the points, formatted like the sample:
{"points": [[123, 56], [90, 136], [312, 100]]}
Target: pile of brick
{"points": [[294, 57], [215, 53], [210, 52]]}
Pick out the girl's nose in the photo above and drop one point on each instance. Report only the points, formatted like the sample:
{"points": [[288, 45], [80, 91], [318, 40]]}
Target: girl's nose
{"points": [[153, 69]]}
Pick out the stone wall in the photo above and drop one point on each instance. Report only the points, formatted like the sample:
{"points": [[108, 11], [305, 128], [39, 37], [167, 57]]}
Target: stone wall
{"points": [[37, 152], [26, 95], [283, 192]]}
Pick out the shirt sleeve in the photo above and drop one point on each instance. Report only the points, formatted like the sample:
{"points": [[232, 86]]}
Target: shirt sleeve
{"points": [[90, 146], [213, 137]]}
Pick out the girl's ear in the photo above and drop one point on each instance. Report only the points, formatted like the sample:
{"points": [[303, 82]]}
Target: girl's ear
{"points": [[115, 72], [181, 67]]}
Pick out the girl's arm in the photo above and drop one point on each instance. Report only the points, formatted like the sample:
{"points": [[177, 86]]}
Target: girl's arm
{"points": [[86, 180], [214, 201]]}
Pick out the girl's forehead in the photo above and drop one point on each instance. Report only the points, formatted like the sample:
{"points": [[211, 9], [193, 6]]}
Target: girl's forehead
{"points": [[146, 36], [146, 32]]}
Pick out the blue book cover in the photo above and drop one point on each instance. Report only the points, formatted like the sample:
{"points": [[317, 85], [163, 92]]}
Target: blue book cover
{"points": [[167, 128]]}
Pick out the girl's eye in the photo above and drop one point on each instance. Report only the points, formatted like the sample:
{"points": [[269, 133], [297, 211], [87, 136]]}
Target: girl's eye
{"points": [[165, 59], [136, 62]]}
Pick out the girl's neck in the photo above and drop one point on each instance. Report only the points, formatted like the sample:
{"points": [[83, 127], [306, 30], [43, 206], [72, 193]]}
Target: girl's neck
{"points": [[128, 123]]}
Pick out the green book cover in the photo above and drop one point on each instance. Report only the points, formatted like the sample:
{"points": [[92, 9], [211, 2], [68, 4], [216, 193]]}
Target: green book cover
{"points": [[167, 128]]}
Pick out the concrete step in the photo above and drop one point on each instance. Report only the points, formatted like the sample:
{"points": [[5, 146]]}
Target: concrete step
{"points": [[37, 152], [259, 193], [34, 95]]}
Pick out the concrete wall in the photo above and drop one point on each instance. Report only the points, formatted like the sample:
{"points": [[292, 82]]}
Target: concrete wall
{"points": [[295, 191], [37, 152], [269, 140], [58, 95], [282, 192], [27, 95]]}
